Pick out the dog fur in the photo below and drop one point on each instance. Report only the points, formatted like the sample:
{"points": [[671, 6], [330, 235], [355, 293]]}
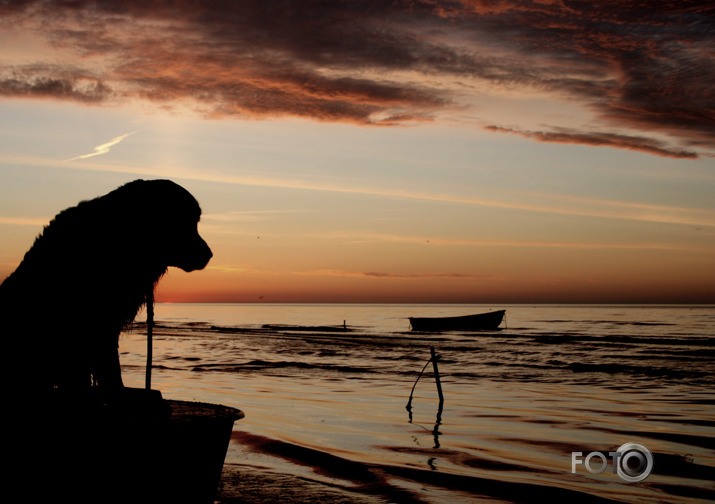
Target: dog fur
{"points": [[86, 277]]}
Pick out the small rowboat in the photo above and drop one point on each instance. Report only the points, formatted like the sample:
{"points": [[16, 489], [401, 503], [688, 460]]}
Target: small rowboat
{"points": [[479, 322]]}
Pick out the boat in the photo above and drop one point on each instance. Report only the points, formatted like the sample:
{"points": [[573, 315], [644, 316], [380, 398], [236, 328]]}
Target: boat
{"points": [[480, 322]]}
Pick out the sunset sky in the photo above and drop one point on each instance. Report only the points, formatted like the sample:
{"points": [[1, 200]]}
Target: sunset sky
{"points": [[476, 151]]}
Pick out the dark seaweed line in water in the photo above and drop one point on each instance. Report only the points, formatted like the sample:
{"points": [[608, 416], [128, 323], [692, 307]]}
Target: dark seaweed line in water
{"points": [[608, 322], [276, 327], [620, 339], [660, 372], [313, 335], [260, 365], [255, 365], [578, 368], [358, 334]]}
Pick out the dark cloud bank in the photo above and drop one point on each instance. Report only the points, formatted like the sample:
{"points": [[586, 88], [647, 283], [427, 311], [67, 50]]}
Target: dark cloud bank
{"points": [[645, 67]]}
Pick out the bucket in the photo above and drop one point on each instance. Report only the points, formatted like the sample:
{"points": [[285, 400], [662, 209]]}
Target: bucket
{"points": [[133, 448]]}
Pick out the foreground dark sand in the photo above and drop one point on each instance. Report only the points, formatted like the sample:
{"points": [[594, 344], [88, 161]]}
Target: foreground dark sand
{"points": [[250, 485]]}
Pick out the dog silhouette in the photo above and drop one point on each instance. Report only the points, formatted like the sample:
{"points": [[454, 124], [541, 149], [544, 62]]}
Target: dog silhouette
{"points": [[85, 278]]}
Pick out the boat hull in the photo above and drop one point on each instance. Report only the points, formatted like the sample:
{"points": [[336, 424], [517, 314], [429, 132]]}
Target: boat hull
{"points": [[480, 322]]}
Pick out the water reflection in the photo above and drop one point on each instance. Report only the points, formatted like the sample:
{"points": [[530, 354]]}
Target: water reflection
{"points": [[561, 379]]}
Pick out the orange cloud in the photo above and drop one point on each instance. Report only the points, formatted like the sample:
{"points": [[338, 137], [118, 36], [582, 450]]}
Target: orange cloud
{"points": [[645, 67]]}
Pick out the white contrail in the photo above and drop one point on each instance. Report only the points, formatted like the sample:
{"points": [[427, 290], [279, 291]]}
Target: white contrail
{"points": [[104, 148]]}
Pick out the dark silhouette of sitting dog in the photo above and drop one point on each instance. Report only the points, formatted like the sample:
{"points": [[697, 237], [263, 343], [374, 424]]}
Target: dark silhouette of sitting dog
{"points": [[86, 277]]}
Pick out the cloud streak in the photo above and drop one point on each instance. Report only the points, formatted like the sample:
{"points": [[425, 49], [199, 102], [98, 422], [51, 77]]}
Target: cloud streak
{"points": [[643, 68], [518, 201], [398, 276], [364, 237], [103, 148], [599, 139], [23, 221]]}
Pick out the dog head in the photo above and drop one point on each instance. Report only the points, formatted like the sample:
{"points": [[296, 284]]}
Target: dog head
{"points": [[165, 218]]}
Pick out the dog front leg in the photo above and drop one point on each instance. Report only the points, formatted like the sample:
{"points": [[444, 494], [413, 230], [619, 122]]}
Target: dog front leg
{"points": [[107, 370]]}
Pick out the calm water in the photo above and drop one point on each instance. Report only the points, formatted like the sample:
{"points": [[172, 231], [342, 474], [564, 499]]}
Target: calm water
{"points": [[326, 418]]}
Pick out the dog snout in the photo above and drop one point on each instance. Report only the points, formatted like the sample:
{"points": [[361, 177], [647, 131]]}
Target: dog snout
{"points": [[207, 254], [196, 256]]}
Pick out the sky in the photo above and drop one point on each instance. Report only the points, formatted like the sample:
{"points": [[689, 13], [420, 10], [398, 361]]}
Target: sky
{"points": [[466, 151]]}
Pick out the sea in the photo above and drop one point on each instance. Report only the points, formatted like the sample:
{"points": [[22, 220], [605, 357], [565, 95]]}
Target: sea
{"points": [[343, 403]]}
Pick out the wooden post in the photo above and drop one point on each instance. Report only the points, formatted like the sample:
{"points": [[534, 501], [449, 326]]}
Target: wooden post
{"points": [[149, 336], [434, 359]]}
